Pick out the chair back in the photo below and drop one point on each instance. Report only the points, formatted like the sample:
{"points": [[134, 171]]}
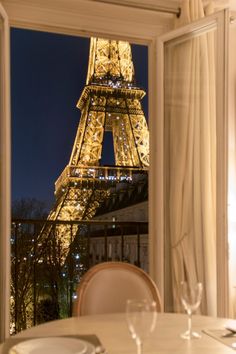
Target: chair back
{"points": [[105, 287]]}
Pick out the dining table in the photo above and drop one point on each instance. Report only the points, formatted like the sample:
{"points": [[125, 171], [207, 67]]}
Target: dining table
{"points": [[113, 334]]}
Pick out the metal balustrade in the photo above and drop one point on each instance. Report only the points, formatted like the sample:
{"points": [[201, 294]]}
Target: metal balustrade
{"points": [[43, 283]]}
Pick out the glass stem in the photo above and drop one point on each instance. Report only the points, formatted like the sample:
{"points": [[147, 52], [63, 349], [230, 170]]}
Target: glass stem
{"points": [[139, 347], [190, 322]]}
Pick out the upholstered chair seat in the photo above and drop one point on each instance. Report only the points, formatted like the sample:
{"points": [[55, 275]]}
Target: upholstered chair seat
{"points": [[106, 287]]}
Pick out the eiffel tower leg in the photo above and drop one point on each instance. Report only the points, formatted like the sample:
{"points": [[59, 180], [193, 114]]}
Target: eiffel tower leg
{"points": [[140, 130], [131, 136], [87, 149], [77, 203]]}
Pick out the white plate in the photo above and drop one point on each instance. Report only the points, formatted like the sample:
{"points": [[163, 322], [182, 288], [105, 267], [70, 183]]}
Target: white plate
{"points": [[53, 345]]}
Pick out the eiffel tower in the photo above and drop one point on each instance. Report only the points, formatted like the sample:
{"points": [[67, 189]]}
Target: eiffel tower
{"points": [[110, 101]]}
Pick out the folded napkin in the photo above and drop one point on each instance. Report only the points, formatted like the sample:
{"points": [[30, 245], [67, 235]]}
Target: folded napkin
{"points": [[231, 325], [10, 342], [223, 335]]}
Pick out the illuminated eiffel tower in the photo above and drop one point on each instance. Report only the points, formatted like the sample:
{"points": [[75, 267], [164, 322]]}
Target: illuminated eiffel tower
{"points": [[110, 101]]}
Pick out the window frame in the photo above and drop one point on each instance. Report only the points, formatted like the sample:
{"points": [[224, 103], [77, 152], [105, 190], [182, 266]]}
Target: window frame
{"points": [[82, 18], [221, 21], [5, 174], [92, 18]]}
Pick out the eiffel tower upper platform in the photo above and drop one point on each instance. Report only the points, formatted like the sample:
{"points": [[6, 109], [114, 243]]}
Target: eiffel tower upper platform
{"points": [[110, 101]]}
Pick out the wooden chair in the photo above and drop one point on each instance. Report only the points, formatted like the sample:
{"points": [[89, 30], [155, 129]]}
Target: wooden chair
{"points": [[106, 286]]}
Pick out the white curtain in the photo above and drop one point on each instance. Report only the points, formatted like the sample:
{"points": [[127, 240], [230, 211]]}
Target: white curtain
{"points": [[190, 159]]}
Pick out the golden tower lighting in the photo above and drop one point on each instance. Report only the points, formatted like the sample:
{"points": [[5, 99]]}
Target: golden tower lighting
{"points": [[110, 101]]}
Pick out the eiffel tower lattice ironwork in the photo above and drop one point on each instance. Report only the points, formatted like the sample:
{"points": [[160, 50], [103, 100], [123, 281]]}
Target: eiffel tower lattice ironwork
{"points": [[110, 101]]}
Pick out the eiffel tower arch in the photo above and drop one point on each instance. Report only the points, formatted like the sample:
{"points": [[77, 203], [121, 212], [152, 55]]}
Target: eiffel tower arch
{"points": [[110, 101]]}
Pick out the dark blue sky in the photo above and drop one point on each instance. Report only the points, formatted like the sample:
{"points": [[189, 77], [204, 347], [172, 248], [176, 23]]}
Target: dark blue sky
{"points": [[48, 73]]}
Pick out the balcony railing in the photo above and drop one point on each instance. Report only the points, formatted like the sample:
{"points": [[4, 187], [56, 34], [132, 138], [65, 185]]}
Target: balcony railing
{"points": [[45, 278]]}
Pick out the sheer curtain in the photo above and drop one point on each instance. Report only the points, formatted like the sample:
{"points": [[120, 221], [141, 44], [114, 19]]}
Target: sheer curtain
{"points": [[190, 145]]}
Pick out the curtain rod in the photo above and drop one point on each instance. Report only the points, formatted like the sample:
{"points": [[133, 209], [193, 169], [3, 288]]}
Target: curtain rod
{"points": [[157, 8]]}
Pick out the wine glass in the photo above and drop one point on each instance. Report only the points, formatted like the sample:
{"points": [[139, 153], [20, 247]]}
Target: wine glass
{"points": [[191, 296], [141, 319]]}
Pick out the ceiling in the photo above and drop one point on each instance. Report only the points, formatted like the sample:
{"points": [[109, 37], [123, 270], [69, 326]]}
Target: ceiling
{"points": [[171, 5]]}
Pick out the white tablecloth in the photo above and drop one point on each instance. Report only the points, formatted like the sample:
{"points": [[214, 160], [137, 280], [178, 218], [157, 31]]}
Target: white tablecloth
{"points": [[112, 331]]}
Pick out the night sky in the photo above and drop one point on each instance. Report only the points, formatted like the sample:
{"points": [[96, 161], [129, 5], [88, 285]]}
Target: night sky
{"points": [[48, 73]]}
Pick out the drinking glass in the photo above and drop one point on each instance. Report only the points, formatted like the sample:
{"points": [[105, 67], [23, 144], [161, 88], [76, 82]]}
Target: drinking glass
{"points": [[191, 296], [141, 319]]}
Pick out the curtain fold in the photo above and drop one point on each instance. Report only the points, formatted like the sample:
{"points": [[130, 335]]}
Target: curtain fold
{"points": [[190, 132]]}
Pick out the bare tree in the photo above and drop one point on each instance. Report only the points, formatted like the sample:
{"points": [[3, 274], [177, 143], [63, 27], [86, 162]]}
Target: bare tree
{"points": [[26, 265], [29, 208]]}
